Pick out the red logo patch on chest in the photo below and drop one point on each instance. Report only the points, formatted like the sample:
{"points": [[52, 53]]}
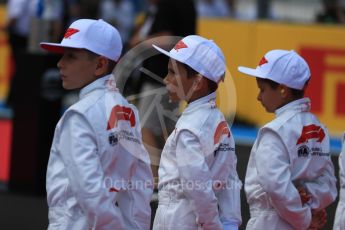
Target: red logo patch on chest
{"points": [[311, 132], [222, 129], [121, 113]]}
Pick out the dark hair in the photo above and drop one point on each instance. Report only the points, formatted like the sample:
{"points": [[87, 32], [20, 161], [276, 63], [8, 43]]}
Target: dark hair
{"points": [[190, 71], [92, 55], [296, 93], [111, 63], [111, 66], [212, 86]]}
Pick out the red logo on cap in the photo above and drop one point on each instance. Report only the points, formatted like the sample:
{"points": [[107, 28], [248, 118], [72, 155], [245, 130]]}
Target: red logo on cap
{"points": [[263, 61], [70, 32], [180, 45]]}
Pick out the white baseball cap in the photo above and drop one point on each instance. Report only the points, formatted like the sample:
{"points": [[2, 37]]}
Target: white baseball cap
{"points": [[94, 35], [201, 54], [281, 66]]}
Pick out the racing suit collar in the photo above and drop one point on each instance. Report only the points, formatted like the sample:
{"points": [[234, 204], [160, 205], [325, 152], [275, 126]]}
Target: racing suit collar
{"points": [[211, 98], [302, 105], [97, 84]]}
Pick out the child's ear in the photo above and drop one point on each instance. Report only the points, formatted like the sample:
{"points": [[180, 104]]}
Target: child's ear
{"points": [[102, 66], [283, 90]]}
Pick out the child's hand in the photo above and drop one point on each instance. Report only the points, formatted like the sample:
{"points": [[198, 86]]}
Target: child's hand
{"points": [[319, 219], [305, 197]]}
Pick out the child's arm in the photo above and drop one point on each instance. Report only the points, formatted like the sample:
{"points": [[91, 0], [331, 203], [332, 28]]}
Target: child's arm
{"points": [[273, 167], [322, 190], [135, 202], [305, 197], [223, 168], [196, 180], [85, 173], [229, 202], [319, 217]]}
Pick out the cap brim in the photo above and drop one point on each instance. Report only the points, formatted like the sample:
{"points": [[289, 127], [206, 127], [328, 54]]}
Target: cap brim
{"points": [[52, 47], [56, 47], [250, 71], [168, 54], [161, 50]]}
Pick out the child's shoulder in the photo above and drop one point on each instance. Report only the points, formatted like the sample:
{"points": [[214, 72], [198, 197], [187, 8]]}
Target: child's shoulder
{"points": [[200, 120], [292, 123]]}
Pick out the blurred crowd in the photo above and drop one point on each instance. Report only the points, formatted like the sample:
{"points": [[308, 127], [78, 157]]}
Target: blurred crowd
{"points": [[31, 21], [126, 14]]}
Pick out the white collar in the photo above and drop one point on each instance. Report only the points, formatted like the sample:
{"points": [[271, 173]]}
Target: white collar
{"points": [[208, 99], [302, 105], [100, 83]]}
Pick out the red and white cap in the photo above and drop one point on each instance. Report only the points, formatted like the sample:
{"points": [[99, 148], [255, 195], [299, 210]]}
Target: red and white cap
{"points": [[94, 35], [281, 66], [201, 54]]}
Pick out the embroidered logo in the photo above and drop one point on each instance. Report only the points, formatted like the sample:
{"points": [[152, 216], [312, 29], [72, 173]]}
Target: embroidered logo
{"points": [[222, 129], [180, 45], [311, 132], [113, 139], [263, 61], [303, 151], [70, 32], [119, 113]]}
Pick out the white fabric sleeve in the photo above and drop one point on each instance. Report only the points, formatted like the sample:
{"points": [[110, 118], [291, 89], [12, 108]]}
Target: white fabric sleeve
{"points": [[341, 163], [272, 163], [224, 168], [229, 225], [229, 202], [322, 190], [196, 180], [135, 202], [85, 173]]}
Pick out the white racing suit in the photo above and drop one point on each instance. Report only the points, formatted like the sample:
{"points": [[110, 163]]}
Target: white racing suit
{"points": [[198, 183], [290, 151], [99, 174], [339, 220]]}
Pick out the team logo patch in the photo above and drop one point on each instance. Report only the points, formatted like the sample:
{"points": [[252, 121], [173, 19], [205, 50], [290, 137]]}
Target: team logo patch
{"points": [[113, 139], [180, 45], [311, 132], [70, 32], [119, 113], [222, 129], [263, 61], [122, 135], [303, 151]]}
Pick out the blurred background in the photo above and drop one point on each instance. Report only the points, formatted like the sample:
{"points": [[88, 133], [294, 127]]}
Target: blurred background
{"points": [[32, 100]]}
